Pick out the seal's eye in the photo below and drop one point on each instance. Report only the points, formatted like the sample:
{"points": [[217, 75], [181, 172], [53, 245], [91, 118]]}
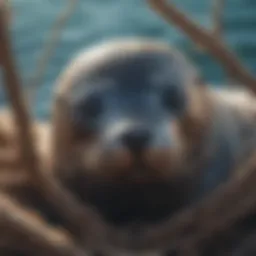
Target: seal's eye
{"points": [[173, 98], [85, 114], [92, 106]]}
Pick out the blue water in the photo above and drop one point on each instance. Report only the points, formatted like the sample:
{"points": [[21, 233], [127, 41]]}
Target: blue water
{"points": [[94, 20]]}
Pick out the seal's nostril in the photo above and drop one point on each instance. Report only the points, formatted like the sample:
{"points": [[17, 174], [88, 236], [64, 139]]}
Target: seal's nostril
{"points": [[136, 139]]}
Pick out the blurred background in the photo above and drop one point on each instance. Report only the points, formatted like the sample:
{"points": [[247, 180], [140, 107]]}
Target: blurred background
{"points": [[96, 20]]}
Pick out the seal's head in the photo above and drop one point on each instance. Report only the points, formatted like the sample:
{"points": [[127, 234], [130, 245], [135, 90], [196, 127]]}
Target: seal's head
{"points": [[132, 112]]}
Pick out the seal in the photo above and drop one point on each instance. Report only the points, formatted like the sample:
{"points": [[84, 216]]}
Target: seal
{"points": [[138, 135]]}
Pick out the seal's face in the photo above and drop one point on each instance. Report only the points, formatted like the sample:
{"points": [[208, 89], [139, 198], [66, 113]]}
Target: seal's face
{"points": [[135, 116], [127, 114]]}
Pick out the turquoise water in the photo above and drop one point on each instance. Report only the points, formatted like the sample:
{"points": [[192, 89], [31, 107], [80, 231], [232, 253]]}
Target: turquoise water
{"points": [[94, 20]]}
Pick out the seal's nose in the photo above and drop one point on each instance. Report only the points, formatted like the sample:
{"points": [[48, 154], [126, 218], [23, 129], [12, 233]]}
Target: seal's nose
{"points": [[136, 139]]}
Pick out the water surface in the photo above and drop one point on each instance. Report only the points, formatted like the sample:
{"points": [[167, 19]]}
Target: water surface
{"points": [[95, 20]]}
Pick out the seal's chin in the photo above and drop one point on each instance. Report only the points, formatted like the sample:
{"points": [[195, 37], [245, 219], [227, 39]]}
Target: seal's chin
{"points": [[133, 189], [133, 201]]}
